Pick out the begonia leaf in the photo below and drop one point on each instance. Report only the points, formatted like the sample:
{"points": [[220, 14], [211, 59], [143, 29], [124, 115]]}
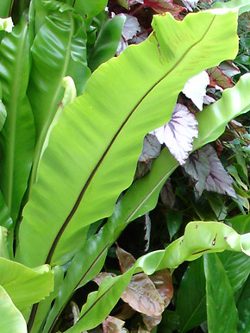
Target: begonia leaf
{"points": [[131, 27], [195, 88], [206, 169], [179, 133], [151, 148]]}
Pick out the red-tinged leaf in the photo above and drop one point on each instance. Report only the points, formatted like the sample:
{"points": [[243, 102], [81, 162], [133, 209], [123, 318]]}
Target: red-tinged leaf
{"points": [[229, 68], [164, 285], [163, 6], [218, 78], [178, 134], [113, 325], [126, 260], [142, 296], [206, 169]]}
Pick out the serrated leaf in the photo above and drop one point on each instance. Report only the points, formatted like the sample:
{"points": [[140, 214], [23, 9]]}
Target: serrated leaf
{"points": [[206, 169], [179, 133], [195, 88]]}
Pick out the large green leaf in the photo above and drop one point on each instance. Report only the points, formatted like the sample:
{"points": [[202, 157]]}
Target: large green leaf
{"points": [[242, 5], [199, 238], [93, 151], [191, 297], [221, 309], [11, 319], [59, 49], [142, 197], [25, 286], [17, 136]]}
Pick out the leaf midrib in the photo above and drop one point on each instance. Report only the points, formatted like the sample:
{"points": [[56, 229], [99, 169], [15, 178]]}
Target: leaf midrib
{"points": [[80, 196], [12, 115], [53, 104]]}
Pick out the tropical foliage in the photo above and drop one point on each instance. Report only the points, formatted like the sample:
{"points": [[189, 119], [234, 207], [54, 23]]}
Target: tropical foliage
{"points": [[96, 133]]}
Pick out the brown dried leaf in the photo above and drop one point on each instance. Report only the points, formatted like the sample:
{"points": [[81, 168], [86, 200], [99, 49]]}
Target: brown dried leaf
{"points": [[163, 283], [142, 296], [126, 260], [151, 322], [113, 325]]}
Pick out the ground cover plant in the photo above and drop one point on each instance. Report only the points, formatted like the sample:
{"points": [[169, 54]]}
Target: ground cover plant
{"points": [[115, 116]]}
